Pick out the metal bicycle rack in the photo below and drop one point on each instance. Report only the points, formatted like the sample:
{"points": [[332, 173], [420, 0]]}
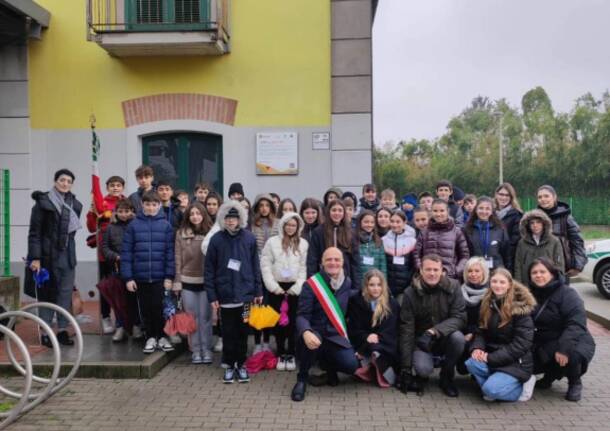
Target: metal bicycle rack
{"points": [[28, 399]]}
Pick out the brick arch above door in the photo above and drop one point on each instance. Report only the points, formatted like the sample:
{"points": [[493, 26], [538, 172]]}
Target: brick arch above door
{"points": [[179, 106]]}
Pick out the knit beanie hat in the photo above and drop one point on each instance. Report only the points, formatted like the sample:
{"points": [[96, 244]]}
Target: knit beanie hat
{"points": [[458, 194], [410, 198], [233, 212], [236, 188]]}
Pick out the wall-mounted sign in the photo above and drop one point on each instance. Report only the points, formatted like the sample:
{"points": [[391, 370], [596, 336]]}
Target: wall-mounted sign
{"points": [[277, 153], [320, 140]]}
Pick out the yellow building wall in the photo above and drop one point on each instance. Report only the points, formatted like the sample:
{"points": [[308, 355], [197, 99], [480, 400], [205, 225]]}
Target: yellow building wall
{"points": [[278, 68]]}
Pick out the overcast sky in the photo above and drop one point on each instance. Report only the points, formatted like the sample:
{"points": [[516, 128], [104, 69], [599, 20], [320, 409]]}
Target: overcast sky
{"points": [[432, 57]]}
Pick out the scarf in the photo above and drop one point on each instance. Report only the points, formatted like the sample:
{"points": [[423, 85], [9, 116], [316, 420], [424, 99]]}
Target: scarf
{"points": [[473, 294], [365, 237], [542, 293], [336, 283], [502, 213], [69, 221]]}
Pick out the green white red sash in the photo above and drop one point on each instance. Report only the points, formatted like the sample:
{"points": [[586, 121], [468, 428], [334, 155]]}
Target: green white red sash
{"points": [[328, 302]]}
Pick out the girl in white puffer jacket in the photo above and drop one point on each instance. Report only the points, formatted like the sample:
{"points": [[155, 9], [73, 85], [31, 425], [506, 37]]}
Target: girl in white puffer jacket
{"points": [[284, 270]]}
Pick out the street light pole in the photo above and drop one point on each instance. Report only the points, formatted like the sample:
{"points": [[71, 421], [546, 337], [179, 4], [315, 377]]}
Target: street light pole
{"points": [[498, 115]]}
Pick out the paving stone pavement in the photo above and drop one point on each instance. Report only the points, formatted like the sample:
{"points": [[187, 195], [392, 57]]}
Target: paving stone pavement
{"points": [[185, 397]]}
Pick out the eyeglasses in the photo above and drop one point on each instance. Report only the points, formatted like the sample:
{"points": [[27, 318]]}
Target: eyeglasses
{"points": [[504, 195]]}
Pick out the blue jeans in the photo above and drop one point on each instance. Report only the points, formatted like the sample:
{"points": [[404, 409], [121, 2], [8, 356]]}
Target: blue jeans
{"points": [[498, 386]]}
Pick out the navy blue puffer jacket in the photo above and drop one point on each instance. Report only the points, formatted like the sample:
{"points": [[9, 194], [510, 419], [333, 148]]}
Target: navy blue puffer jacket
{"points": [[244, 282], [147, 254]]}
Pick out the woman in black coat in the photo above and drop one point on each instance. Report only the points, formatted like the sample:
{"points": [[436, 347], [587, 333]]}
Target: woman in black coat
{"points": [[563, 346], [487, 237], [501, 358], [373, 329], [336, 231], [54, 221], [509, 212], [565, 228]]}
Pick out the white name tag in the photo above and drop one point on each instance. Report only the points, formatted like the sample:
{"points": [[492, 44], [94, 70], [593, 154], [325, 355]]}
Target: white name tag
{"points": [[234, 264], [286, 273], [490, 262], [368, 260], [398, 260]]}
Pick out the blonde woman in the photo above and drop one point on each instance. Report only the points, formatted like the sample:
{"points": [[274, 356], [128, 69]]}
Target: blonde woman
{"points": [[501, 359], [373, 329], [474, 288]]}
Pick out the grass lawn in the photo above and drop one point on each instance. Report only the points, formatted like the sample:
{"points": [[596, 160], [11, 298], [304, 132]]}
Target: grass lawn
{"points": [[590, 232]]}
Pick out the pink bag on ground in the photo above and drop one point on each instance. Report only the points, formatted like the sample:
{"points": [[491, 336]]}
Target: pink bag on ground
{"points": [[264, 360]]}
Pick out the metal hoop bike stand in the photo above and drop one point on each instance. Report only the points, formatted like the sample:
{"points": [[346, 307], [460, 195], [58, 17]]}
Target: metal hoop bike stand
{"points": [[27, 399]]}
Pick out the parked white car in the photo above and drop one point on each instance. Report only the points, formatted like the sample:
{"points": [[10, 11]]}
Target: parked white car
{"points": [[597, 268]]}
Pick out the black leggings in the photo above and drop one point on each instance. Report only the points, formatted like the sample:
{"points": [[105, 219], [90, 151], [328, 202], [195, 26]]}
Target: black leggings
{"points": [[576, 367], [283, 333]]}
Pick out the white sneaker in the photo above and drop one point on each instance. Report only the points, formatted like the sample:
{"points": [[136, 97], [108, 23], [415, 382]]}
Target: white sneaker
{"points": [[257, 349], [528, 389], [196, 358], [218, 345], [175, 339], [107, 326], [207, 357], [151, 345], [291, 364], [281, 364], [119, 335], [165, 345]]}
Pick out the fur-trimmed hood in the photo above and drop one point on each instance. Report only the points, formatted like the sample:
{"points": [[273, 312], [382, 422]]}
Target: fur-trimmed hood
{"points": [[287, 216], [523, 300], [267, 197], [224, 209], [528, 216]]}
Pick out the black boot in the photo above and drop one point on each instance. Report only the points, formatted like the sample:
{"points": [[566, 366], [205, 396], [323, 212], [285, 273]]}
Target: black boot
{"points": [[332, 379], [298, 392], [418, 385], [574, 390], [64, 338], [545, 382], [448, 386]]}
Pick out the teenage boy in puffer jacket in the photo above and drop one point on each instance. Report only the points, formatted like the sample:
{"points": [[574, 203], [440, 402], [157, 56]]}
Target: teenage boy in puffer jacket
{"points": [[232, 280], [147, 267]]}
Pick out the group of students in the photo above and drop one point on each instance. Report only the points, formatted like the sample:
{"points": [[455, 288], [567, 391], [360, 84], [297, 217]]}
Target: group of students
{"points": [[381, 290]]}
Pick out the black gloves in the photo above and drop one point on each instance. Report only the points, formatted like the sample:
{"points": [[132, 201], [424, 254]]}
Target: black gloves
{"points": [[424, 342]]}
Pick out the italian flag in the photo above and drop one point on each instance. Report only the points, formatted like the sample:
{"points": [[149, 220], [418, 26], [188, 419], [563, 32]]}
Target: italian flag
{"points": [[328, 302], [96, 189]]}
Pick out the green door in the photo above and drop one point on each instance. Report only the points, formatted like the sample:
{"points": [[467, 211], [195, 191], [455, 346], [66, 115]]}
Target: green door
{"points": [[185, 159]]}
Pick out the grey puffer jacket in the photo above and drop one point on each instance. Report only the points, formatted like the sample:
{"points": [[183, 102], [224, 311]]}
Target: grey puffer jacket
{"points": [[447, 241]]}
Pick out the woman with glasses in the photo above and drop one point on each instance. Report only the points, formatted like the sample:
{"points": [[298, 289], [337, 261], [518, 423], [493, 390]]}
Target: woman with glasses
{"points": [[509, 212]]}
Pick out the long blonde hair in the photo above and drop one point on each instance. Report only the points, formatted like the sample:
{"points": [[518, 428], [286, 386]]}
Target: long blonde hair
{"points": [[506, 310], [382, 309]]}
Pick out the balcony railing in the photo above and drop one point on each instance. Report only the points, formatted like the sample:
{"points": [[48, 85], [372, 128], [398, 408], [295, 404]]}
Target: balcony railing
{"points": [[203, 26]]}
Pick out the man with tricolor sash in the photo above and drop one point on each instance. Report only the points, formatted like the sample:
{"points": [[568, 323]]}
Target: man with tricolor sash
{"points": [[321, 328]]}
